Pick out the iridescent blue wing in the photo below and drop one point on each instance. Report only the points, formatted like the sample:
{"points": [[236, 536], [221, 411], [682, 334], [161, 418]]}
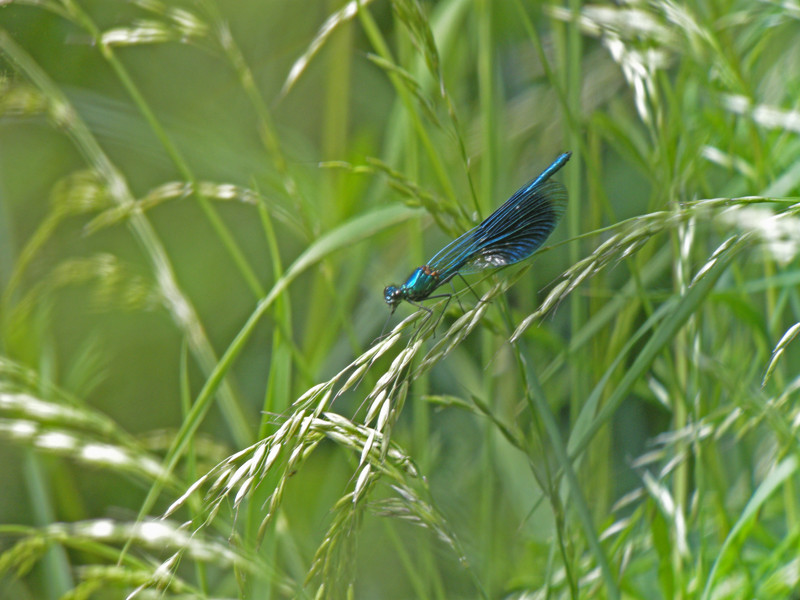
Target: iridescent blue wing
{"points": [[511, 233], [519, 230], [449, 260]]}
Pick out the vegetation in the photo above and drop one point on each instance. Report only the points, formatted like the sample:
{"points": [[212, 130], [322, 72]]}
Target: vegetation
{"points": [[200, 204]]}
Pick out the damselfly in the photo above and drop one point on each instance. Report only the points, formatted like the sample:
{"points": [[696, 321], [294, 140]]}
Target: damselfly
{"points": [[510, 234]]}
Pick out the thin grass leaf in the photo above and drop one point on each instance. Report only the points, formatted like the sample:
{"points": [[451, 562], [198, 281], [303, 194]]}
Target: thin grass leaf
{"points": [[778, 351], [675, 319], [776, 478], [333, 22], [412, 85]]}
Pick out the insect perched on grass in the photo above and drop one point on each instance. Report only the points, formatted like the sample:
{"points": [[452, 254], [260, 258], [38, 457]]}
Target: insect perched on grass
{"points": [[510, 234]]}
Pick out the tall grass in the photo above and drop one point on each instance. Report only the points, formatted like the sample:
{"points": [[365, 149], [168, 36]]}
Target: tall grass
{"points": [[202, 202]]}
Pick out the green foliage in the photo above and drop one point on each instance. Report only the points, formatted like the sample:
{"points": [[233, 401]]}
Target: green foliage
{"points": [[200, 203]]}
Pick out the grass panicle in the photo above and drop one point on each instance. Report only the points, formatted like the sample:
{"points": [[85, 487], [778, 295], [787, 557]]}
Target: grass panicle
{"points": [[203, 204]]}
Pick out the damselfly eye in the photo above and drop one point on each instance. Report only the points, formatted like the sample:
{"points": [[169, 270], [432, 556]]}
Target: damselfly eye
{"points": [[391, 295]]}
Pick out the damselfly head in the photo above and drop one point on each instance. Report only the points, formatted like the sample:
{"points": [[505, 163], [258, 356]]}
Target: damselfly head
{"points": [[392, 295]]}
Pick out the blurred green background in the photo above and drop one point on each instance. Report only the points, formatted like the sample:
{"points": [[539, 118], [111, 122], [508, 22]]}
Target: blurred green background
{"points": [[166, 166]]}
